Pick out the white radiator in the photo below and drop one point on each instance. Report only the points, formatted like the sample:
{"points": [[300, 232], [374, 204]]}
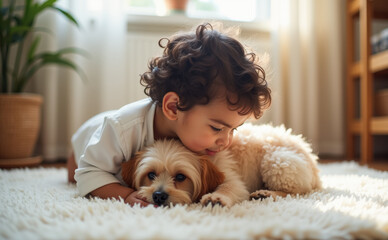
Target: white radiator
{"points": [[141, 48]]}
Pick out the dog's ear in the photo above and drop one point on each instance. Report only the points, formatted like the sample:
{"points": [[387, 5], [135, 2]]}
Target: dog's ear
{"points": [[211, 176], [128, 170]]}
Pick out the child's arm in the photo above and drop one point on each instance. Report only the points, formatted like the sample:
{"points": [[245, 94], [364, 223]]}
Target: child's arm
{"points": [[102, 149], [116, 190]]}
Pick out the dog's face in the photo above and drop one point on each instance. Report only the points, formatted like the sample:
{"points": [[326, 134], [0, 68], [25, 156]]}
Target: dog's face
{"points": [[167, 172]]}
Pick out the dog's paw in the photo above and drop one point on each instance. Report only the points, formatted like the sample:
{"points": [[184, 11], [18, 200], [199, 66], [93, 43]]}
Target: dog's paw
{"points": [[216, 199], [261, 194]]}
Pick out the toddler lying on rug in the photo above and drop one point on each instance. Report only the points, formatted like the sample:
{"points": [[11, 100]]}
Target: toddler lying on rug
{"points": [[203, 87]]}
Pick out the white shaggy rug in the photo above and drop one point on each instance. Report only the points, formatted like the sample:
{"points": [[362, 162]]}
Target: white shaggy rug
{"points": [[39, 204]]}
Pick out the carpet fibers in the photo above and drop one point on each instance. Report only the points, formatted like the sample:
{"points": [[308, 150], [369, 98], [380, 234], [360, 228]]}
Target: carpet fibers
{"points": [[39, 204]]}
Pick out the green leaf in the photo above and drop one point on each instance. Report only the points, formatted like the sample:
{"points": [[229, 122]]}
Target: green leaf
{"points": [[17, 33], [27, 7], [48, 3], [30, 12], [42, 29], [43, 59], [32, 50], [67, 15], [16, 23], [73, 50]]}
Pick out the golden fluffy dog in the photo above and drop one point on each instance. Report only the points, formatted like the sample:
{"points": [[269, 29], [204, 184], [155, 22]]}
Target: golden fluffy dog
{"points": [[263, 161], [168, 172]]}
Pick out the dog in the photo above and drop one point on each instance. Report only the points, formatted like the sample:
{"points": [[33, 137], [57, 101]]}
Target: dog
{"points": [[168, 173], [263, 161]]}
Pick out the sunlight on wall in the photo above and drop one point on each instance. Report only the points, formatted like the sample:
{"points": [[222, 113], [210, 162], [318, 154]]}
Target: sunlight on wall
{"points": [[95, 5], [280, 13]]}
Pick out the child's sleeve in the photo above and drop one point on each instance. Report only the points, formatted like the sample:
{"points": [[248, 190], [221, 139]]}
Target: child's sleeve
{"points": [[102, 158]]}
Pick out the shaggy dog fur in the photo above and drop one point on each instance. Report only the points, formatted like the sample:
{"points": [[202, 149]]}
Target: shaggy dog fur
{"points": [[263, 161]]}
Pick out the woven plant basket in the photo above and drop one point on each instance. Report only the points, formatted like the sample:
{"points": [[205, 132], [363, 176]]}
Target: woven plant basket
{"points": [[19, 125]]}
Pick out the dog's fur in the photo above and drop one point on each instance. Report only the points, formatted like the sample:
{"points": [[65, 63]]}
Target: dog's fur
{"points": [[263, 161], [167, 159]]}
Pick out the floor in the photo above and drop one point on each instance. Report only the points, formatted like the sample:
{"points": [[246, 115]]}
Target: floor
{"points": [[381, 164]]}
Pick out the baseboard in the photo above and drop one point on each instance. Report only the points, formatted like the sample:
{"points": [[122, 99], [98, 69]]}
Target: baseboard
{"points": [[332, 148]]}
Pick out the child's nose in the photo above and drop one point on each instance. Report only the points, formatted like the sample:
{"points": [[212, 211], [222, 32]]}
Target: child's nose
{"points": [[223, 140]]}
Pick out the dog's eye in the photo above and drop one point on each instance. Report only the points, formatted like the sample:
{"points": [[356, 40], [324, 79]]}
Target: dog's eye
{"points": [[180, 177], [151, 175]]}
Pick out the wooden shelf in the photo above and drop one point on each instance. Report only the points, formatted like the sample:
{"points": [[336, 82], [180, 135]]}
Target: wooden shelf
{"points": [[354, 7], [380, 8], [379, 125], [365, 71], [378, 62]]}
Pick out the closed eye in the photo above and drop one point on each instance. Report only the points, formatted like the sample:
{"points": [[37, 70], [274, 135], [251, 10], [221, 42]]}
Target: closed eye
{"points": [[215, 129]]}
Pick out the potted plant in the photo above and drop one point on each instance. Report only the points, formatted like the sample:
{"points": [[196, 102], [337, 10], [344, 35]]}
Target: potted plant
{"points": [[20, 112], [176, 6]]}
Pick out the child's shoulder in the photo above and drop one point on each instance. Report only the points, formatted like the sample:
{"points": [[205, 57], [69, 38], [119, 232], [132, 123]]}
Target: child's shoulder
{"points": [[136, 108], [144, 108]]}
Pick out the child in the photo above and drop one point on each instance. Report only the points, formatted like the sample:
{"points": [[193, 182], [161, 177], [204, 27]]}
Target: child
{"points": [[201, 89]]}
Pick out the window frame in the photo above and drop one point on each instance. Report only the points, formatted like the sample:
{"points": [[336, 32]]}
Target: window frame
{"points": [[181, 20]]}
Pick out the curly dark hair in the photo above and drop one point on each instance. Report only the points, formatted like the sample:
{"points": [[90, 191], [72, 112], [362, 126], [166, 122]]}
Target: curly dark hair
{"points": [[198, 65]]}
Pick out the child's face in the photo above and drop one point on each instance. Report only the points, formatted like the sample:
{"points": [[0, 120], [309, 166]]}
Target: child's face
{"points": [[208, 129]]}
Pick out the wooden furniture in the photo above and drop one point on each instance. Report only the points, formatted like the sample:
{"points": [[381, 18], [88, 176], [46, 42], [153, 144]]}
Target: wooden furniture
{"points": [[365, 70]]}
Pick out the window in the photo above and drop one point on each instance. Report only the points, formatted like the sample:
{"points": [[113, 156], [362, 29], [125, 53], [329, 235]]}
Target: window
{"points": [[241, 10]]}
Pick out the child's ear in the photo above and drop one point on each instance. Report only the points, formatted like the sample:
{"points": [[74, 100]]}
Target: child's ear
{"points": [[169, 105]]}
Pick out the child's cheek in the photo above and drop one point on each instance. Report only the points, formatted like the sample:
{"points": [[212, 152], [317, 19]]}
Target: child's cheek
{"points": [[200, 146]]}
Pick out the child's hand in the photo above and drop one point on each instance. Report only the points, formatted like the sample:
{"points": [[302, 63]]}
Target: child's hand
{"points": [[134, 198]]}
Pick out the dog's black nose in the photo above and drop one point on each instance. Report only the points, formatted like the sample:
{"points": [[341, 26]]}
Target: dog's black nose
{"points": [[159, 197]]}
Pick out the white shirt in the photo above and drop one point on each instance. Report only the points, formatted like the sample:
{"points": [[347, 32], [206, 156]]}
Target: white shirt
{"points": [[103, 142]]}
